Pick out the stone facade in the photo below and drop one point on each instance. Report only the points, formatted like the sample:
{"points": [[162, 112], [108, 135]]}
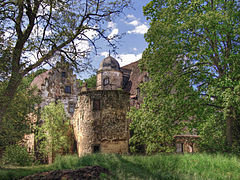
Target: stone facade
{"points": [[100, 123], [109, 75], [58, 84]]}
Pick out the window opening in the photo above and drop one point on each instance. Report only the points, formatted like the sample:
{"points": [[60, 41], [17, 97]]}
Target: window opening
{"points": [[67, 89], [179, 147], [106, 81], [71, 108], [96, 148], [96, 104], [64, 74]]}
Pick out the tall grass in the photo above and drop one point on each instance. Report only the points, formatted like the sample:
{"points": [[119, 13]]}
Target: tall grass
{"points": [[189, 166]]}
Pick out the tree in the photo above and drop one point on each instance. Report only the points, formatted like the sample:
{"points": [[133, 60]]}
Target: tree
{"points": [[91, 82], [16, 121], [53, 133], [35, 30], [194, 49]]}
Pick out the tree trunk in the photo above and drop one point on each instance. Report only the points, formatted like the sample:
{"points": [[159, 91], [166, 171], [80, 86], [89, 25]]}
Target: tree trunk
{"points": [[229, 131], [9, 93]]}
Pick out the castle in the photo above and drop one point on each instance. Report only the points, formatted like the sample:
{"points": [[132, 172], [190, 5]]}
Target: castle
{"points": [[98, 115]]}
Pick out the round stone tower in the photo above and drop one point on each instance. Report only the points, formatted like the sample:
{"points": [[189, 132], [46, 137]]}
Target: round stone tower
{"points": [[109, 75], [100, 123]]}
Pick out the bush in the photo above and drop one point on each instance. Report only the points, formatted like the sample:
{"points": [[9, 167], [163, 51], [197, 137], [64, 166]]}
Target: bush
{"points": [[17, 155]]}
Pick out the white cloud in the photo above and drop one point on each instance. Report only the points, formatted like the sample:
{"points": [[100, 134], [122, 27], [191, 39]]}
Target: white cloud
{"points": [[131, 16], [105, 54], [135, 49], [111, 25], [124, 59], [113, 33], [91, 34], [141, 29], [134, 23]]}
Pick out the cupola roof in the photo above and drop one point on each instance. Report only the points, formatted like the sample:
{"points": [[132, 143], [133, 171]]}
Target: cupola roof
{"points": [[109, 63]]}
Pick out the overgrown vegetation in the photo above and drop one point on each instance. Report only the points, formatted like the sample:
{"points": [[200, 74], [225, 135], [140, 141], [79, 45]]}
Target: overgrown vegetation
{"points": [[189, 166], [91, 82], [16, 121], [17, 155], [192, 60], [55, 133]]}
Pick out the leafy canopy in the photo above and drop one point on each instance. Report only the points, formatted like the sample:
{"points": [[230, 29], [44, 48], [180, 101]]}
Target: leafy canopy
{"points": [[53, 133], [193, 63]]}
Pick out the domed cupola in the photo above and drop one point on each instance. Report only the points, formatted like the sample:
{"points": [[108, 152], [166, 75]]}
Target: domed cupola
{"points": [[109, 63], [109, 75]]}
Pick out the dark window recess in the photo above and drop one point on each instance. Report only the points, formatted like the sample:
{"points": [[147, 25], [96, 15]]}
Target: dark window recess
{"points": [[71, 108], [64, 74], [67, 89], [106, 81], [96, 148], [179, 147], [96, 104]]}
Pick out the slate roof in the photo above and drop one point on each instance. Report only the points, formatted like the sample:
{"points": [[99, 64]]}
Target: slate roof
{"points": [[136, 77], [109, 63]]}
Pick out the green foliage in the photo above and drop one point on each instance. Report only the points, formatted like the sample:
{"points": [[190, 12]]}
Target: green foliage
{"points": [[53, 133], [17, 155], [193, 63], [188, 166], [16, 121], [91, 82], [42, 29]]}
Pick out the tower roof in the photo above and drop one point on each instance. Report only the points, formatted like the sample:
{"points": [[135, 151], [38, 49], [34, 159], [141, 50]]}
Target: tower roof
{"points": [[109, 63]]}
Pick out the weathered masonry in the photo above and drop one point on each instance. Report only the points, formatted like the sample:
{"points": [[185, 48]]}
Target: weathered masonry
{"points": [[100, 123]]}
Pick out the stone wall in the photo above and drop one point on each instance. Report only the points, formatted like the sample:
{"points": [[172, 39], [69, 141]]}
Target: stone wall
{"points": [[58, 84], [100, 123], [109, 80]]}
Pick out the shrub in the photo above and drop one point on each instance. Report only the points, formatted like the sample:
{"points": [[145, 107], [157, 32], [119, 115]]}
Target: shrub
{"points": [[16, 155]]}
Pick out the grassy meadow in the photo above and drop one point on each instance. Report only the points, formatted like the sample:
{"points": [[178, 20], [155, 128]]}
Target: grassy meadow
{"points": [[178, 167]]}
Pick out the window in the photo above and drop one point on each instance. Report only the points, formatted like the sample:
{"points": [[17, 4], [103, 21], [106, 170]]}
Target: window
{"points": [[106, 81], [179, 147], [67, 89], [96, 148], [96, 104], [71, 108], [64, 74]]}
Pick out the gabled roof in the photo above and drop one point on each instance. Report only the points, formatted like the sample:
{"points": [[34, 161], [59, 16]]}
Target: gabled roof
{"points": [[40, 79], [136, 77]]}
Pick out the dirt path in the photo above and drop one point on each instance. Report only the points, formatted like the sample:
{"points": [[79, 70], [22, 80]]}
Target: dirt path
{"points": [[89, 172]]}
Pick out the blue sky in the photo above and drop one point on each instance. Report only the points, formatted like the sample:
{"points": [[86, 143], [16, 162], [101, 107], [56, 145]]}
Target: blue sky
{"points": [[130, 47]]}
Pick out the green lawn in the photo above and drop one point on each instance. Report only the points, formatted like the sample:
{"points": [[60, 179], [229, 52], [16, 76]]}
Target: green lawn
{"points": [[196, 166]]}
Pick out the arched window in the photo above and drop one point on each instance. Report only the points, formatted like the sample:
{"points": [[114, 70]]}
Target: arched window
{"points": [[106, 81]]}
